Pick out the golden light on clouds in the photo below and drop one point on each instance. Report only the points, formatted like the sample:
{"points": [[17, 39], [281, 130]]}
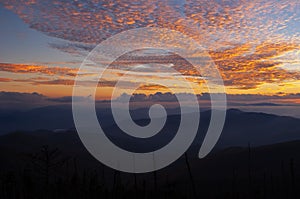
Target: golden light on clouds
{"points": [[244, 68], [254, 44], [25, 68]]}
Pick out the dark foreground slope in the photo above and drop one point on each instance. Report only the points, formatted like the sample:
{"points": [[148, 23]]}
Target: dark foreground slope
{"points": [[44, 164]]}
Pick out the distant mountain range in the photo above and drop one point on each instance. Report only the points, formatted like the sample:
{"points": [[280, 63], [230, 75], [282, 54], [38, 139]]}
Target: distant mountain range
{"points": [[241, 128]]}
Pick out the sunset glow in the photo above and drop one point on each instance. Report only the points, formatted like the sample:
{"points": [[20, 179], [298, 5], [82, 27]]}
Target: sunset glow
{"points": [[255, 45]]}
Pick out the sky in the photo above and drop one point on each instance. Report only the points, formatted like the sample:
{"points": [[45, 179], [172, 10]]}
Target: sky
{"points": [[254, 44]]}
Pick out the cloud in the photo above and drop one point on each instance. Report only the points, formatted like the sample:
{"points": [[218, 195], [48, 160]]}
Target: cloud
{"points": [[25, 68], [68, 99], [65, 82], [5, 79], [242, 66], [23, 101], [241, 36], [74, 48], [20, 101], [16, 96], [210, 22], [245, 67], [152, 87], [232, 98], [70, 82]]}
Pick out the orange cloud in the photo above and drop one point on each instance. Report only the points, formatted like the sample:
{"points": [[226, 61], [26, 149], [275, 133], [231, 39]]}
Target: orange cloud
{"points": [[152, 87], [25, 68], [5, 80], [243, 66], [246, 66], [65, 82]]}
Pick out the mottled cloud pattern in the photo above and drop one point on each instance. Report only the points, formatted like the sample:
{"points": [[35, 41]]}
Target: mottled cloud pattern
{"points": [[243, 37], [226, 21]]}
